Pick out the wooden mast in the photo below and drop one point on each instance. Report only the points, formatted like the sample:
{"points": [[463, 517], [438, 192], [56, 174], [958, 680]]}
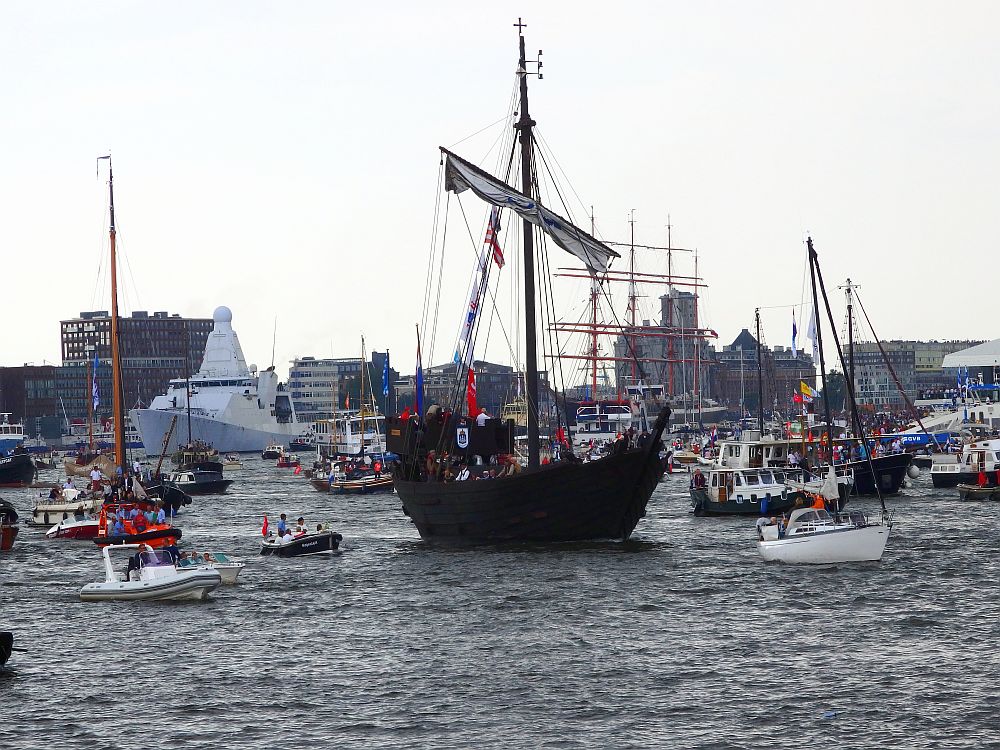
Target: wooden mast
{"points": [[116, 367], [524, 126]]}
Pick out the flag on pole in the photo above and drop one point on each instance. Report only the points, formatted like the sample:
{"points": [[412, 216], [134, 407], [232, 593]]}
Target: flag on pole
{"points": [[385, 376], [347, 401], [470, 393], [419, 386], [808, 394], [96, 392], [492, 236], [795, 336], [263, 529]]}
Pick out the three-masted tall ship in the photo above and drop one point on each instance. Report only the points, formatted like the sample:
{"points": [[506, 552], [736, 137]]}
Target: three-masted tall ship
{"points": [[565, 500]]}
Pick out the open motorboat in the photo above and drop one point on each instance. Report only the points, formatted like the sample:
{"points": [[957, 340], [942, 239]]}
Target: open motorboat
{"points": [[136, 530], [232, 461], [814, 536], [311, 543], [148, 575], [978, 492], [68, 502], [228, 568], [288, 461]]}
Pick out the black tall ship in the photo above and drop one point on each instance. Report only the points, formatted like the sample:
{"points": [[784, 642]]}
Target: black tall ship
{"points": [[566, 500]]}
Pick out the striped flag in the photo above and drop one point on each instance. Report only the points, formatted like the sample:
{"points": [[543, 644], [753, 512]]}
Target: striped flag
{"points": [[492, 236]]}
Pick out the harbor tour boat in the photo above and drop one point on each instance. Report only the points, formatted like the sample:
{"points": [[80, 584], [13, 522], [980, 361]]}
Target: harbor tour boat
{"points": [[977, 464], [149, 575], [560, 501]]}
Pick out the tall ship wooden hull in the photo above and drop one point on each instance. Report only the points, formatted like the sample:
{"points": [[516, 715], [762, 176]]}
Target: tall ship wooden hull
{"points": [[562, 502]]}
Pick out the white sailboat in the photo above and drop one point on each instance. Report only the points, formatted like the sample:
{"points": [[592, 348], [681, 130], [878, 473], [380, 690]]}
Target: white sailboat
{"points": [[814, 535]]}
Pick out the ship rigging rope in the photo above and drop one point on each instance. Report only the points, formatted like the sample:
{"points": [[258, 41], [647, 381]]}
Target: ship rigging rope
{"points": [[892, 370], [440, 278], [434, 232]]}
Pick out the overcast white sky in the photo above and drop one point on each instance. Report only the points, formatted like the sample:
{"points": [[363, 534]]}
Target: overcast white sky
{"points": [[280, 158]]}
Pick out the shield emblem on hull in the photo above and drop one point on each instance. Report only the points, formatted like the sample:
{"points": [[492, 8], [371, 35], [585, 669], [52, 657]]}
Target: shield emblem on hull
{"points": [[462, 437]]}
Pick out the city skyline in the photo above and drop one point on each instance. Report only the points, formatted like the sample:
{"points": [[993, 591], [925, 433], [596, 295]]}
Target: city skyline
{"points": [[281, 161]]}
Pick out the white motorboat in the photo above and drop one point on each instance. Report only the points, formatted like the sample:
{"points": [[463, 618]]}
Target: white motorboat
{"points": [[228, 568], [63, 508], [148, 576], [813, 536], [232, 461]]}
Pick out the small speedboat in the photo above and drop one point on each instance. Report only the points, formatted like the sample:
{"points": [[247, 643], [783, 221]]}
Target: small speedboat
{"points": [[228, 568], [74, 528], [148, 575], [134, 532], [232, 461], [287, 461], [311, 543]]}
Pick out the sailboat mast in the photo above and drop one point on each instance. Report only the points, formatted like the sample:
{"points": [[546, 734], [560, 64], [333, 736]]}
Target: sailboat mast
{"points": [[524, 126], [819, 346], [361, 395], [760, 378], [116, 366], [850, 330]]}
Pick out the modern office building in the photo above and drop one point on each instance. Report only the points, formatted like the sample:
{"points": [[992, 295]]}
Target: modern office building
{"points": [[319, 385]]}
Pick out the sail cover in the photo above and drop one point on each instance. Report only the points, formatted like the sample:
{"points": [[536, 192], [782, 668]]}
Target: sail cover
{"points": [[460, 176]]}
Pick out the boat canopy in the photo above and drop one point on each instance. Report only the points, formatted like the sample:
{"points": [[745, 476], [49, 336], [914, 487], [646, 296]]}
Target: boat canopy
{"points": [[460, 176]]}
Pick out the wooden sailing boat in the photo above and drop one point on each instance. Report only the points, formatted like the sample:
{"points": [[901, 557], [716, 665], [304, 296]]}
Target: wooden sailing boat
{"points": [[562, 501], [156, 535]]}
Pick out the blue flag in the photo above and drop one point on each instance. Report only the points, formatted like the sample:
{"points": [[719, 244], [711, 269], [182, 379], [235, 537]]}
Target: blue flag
{"points": [[385, 376], [94, 389]]}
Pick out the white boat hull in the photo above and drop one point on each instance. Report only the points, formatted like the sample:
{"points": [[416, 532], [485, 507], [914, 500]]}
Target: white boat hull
{"points": [[194, 584], [225, 437], [864, 544]]}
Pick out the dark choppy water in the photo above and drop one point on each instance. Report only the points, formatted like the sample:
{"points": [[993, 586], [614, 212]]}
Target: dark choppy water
{"points": [[683, 638]]}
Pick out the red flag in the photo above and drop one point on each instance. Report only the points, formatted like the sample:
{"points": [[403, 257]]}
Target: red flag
{"points": [[263, 529], [470, 393], [347, 401], [797, 398], [492, 232], [298, 469], [561, 435]]}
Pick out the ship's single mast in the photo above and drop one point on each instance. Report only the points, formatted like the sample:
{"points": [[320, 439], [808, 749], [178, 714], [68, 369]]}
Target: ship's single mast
{"points": [[524, 126], [118, 412], [760, 377]]}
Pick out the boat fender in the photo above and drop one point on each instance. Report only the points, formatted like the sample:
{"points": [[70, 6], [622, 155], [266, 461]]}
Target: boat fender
{"points": [[912, 472]]}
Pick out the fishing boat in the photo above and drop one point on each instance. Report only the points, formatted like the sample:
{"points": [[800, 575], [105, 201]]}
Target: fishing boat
{"points": [[564, 500], [149, 575], [312, 543], [814, 535], [8, 525], [272, 451], [17, 469]]}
